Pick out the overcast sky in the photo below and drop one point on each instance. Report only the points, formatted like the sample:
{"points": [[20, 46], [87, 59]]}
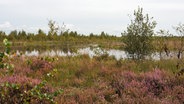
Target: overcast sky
{"points": [[87, 16]]}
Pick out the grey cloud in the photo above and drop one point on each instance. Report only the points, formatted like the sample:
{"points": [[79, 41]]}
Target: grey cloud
{"points": [[88, 16]]}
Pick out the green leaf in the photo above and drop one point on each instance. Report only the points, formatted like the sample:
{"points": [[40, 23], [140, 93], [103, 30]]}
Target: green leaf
{"points": [[1, 55]]}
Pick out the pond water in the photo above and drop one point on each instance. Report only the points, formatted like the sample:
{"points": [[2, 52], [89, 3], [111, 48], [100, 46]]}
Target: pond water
{"points": [[118, 54]]}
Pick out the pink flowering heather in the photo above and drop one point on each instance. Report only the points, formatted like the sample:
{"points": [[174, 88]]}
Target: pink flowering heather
{"points": [[154, 87], [20, 80]]}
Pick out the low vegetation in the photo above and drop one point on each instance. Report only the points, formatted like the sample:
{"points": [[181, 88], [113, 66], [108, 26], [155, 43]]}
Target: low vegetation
{"points": [[85, 80], [20, 88]]}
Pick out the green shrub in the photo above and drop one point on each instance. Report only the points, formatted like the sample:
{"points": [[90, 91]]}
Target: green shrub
{"points": [[27, 94]]}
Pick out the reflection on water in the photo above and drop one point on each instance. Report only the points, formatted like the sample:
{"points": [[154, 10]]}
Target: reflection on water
{"points": [[118, 54]]}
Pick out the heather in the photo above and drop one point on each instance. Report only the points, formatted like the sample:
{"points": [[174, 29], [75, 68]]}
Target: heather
{"points": [[82, 79], [90, 80]]}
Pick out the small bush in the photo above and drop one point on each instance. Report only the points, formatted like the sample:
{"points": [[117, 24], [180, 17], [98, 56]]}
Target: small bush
{"points": [[149, 88], [39, 64], [14, 93]]}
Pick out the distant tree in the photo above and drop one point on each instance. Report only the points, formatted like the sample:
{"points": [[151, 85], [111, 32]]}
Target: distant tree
{"points": [[41, 35], [163, 42], [75, 34], [64, 29], [12, 35], [91, 35], [102, 35], [180, 31], [30, 36], [138, 37], [22, 35], [53, 30], [72, 34], [2, 35]]}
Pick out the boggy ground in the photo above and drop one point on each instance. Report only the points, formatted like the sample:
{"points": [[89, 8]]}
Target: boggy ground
{"points": [[101, 80]]}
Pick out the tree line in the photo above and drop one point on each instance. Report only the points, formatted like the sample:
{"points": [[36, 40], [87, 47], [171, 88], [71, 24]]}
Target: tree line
{"points": [[42, 36], [55, 33]]}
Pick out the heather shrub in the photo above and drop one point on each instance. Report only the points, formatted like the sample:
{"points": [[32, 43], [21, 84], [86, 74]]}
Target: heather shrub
{"points": [[152, 87], [19, 79], [20, 89], [15, 93], [17, 88], [155, 81], [75, 96], [39, 64], [99, 95]]}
